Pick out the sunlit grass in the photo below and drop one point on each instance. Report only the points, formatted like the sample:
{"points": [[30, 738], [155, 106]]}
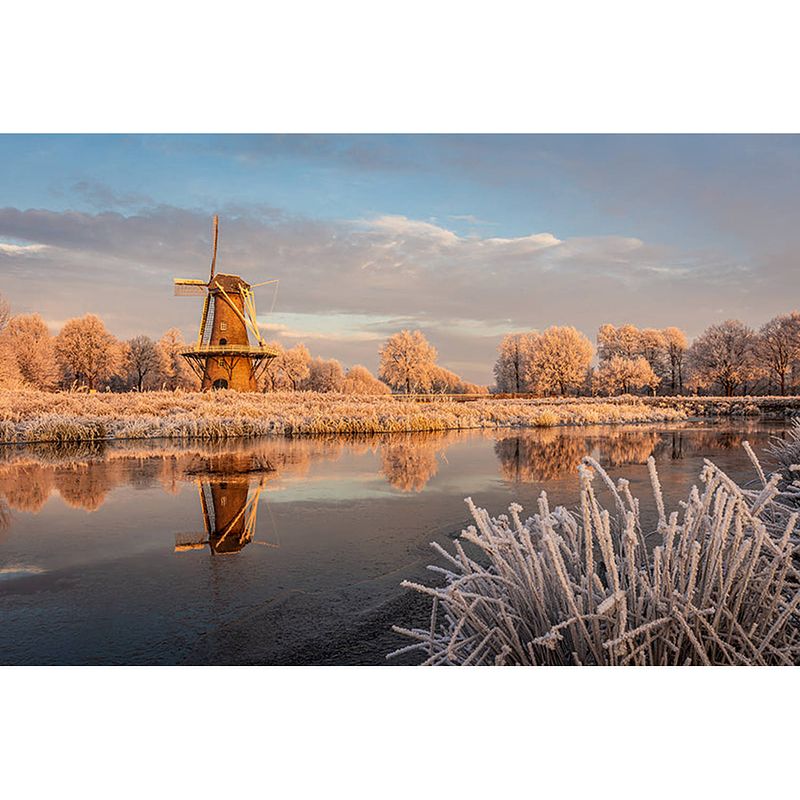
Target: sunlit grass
{"points": [[31, 416]]}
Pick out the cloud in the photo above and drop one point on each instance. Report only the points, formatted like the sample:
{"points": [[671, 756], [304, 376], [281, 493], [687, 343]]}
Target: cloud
{"points": [[102, 197], [8, 249], [346, 284]]}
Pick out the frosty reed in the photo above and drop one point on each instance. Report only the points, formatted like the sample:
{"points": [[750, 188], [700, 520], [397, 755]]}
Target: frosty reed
{"points": [[717, 583]]}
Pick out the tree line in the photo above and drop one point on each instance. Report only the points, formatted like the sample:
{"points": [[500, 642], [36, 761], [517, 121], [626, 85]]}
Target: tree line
{"points": [[728, 358]]}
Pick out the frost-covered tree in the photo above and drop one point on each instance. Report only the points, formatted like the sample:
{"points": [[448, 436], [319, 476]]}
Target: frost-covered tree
{"points": [[144, 363], [359, 380], [324, 375], [625, 375], [407, 361], [723, 356], [294, 365], [653, 348], [675, 347], [561, 359], [5, 312], [778, 346], [625, 341], [514, 357], [10, 376], [33, 347], [272, 379], [87, 353], [176, 373]]}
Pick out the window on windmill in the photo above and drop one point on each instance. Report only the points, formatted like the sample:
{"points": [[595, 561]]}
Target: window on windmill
{"points": [[223, 326]]}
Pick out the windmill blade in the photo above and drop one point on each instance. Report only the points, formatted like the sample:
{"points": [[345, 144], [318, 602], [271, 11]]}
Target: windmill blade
{"points": [[189, 287], [214, 253]]}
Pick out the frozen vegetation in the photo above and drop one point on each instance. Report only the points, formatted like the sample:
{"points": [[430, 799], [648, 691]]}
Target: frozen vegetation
{"points": [[32, 416], [716, 582]]}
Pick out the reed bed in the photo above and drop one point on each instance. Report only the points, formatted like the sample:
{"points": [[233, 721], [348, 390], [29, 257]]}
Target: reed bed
{"points": [[30, 416], [720, 586]]}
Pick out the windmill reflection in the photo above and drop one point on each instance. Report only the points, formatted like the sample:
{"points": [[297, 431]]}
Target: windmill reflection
{"points": [[229, 488]]}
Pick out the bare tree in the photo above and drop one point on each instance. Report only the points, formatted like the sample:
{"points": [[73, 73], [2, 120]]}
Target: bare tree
{"points": [[406, 362], [359, 380], [176, 373], [778, 346], [87, 352], [514, 358], [722, 355], [561, 360], [675, 345], [144, 362], [271, 377], [33, 347]]}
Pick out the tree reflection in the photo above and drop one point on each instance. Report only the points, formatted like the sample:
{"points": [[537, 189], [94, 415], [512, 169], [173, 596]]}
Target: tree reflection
{"points": [[26, 489], [409, 461], [539, 455]]}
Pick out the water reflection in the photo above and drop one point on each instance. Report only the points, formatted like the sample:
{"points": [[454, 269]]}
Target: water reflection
{"points": [[409, 461], [540, 456], [110, 553], [230, 473]]}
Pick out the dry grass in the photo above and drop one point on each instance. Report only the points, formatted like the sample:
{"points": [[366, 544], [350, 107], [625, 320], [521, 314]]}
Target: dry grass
{"points": [[30, 416], [720, 587]]}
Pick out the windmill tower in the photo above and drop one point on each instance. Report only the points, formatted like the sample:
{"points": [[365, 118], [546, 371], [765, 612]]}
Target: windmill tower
{"points": [[223, 357]]}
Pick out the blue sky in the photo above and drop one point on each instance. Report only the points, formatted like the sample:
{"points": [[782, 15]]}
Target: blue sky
{"points": [[467, 237]]}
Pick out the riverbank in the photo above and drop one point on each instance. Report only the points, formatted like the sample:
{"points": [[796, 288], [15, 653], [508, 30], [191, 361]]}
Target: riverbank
{"points": [[30, 416]]}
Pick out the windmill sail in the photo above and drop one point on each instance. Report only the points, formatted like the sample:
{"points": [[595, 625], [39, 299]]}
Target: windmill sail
{"points": [[189, 287]]}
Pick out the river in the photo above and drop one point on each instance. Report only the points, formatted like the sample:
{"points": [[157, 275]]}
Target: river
{"points": [[282, 551]]}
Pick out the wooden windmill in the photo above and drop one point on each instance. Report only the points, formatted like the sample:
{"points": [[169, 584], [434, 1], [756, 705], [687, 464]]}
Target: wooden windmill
{"points": [[224, 357]]}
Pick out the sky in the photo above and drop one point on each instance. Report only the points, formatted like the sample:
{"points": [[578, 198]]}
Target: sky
{"points": [[465, 237]]}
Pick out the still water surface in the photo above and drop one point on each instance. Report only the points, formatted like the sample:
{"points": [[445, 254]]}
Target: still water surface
{"points": [[280, 551]]}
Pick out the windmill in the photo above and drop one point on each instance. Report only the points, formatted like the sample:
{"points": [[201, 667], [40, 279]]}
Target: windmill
{"points": [[223, 357], [230, 510]]}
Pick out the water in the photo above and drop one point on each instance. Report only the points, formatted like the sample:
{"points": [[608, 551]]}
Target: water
{"points": [[276, 551]]}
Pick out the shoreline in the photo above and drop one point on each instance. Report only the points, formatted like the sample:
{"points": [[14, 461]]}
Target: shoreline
{"points": [[30, 417]]}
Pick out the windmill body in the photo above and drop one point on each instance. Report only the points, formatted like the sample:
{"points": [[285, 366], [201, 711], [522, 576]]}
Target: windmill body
{"points": [[224, 356]]}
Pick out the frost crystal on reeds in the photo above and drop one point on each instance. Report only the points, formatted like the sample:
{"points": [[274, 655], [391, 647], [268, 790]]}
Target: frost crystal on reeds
{"points": [[721, 585]]}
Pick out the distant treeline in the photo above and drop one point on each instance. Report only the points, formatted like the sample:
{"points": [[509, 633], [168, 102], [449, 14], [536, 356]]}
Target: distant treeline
{"points": [[728, 359]]}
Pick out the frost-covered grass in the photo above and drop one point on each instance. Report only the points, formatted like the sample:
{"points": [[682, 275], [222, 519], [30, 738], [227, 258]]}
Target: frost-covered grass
{"points": [[29, 416], [721, 585]]}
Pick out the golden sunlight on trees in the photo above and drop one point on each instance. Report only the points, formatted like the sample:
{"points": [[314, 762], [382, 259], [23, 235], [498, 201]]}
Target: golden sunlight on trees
{"points": [[675, 345], [324, 375], [176, 373], [621, 374], [778, 346], [407, 361], [32, 347], [87, 352], [562, 356], [144, 363], [359, 380], [513, 365], [294, 365], [5, 313], [723, 357]]}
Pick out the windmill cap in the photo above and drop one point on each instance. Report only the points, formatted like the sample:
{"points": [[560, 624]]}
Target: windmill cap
{"points": [[230, 283]]}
